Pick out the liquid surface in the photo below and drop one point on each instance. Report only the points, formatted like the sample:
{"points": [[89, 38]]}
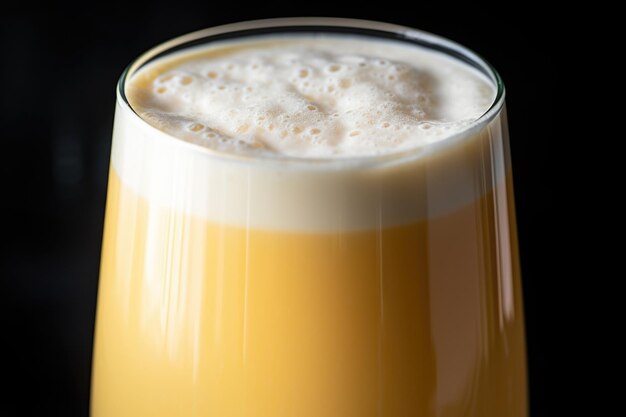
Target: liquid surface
{"points": [[310, 97]]}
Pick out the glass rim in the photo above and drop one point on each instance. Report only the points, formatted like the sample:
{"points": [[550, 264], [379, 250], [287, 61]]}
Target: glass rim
{"points": [[371, 28]]}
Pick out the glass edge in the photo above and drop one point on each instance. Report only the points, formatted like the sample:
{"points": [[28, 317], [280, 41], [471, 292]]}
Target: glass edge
{"points": [[408, 33]]}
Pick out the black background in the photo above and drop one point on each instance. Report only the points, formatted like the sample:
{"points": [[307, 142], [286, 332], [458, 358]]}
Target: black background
{"points": [[57, 96]]}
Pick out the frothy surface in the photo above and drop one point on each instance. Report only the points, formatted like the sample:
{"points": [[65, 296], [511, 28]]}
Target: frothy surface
{"points": [[310, 97]]}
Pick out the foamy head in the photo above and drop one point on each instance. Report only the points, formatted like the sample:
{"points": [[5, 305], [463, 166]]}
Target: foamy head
{"points": [[340, 99], [310, 97]]}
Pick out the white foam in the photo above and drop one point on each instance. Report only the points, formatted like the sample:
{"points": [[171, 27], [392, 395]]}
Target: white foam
{"points": [[339, 194], [312, 97]]}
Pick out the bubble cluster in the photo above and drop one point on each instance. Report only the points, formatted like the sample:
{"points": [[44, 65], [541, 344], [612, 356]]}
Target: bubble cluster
{"points": [[314, 98]]}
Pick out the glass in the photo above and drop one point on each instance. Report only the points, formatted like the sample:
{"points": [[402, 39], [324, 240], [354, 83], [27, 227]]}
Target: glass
{"points": [[373, 286]]}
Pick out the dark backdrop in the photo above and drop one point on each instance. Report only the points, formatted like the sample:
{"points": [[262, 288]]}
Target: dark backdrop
{"points": [[58, 74]]}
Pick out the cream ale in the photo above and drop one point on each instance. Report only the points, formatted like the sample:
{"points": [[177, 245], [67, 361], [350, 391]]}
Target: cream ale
{"points": [[310, 224]]}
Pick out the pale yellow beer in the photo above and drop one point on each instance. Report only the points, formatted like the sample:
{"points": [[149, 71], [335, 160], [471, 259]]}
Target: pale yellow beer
{"points": [[235, 285]]}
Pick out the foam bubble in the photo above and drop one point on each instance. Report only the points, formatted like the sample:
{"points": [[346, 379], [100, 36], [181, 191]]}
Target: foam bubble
{"points": [[311, 97]]}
